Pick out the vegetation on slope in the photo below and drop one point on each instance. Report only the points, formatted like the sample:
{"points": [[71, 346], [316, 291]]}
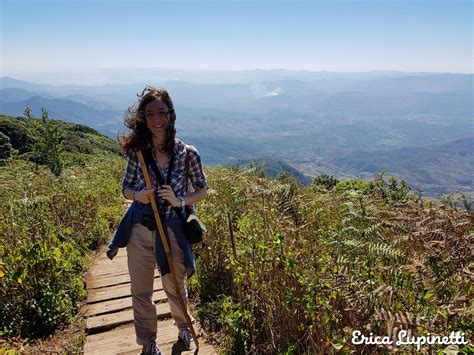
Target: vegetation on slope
{"points": [[271, 167], [292, 269], [78, 141], [53, 213]]}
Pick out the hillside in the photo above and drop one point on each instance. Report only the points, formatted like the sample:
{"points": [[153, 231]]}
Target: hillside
{"points": [[77, 138], [66, 110], [271, 168]]}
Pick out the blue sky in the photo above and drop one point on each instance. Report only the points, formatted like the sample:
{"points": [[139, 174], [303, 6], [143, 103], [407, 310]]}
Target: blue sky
{"points": [[407, 35]]}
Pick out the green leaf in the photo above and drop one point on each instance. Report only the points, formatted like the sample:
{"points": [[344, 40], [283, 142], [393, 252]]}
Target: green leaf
{"points": [[428, 296], [451, 349]]}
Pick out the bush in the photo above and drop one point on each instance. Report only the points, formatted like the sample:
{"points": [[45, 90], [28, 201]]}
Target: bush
{"points": [[49, 225], [5, 147], [329, 182]]}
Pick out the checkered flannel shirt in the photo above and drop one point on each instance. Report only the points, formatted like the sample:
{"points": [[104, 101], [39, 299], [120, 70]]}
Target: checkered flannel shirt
{"points": [[134, 178]]}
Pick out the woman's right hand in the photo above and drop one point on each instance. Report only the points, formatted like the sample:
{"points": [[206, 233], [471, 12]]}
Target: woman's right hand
{"points": [[144, 195]]}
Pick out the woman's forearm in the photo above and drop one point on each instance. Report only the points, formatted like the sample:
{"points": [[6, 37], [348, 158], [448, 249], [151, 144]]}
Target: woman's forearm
{"points": [[128, 193], [196, 196]]}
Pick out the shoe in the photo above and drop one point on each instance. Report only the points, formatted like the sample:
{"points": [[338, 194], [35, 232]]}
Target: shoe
{"points": [[185, 336], [152, 349]]}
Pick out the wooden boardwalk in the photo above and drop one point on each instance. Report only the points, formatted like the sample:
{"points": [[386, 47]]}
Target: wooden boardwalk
{"points": [[109, 315]]}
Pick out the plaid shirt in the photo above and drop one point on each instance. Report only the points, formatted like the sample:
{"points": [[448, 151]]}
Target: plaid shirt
{"points": [[135, 180]]}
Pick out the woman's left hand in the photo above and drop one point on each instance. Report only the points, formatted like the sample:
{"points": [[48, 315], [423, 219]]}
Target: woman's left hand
{"points": [[167, 193]]}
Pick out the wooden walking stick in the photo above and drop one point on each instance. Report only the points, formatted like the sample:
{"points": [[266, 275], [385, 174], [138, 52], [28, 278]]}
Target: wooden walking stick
{"points": [[167, 248]]}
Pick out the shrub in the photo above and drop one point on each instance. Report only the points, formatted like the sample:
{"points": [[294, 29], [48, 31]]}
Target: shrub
{"points": [[49, 224], [329, 182], [5, 147]]}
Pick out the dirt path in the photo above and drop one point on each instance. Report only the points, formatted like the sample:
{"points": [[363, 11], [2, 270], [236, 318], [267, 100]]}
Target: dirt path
{"points": [[109, 312]]}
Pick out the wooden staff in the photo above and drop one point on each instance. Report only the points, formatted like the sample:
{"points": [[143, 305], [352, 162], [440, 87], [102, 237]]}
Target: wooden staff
{"points": [[167, 248]]}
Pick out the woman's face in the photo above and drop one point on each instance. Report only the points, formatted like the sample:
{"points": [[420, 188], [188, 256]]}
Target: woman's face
{"points": [[157, 117]]}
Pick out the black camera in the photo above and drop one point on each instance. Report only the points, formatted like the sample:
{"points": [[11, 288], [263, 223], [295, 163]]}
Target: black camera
{"points": [[148, 221]]}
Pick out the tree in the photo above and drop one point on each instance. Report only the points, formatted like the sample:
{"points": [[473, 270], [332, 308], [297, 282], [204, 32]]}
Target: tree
{"points": [[48, 149]]}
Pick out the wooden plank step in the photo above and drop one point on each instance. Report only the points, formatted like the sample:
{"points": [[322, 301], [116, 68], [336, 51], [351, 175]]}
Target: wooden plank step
{"points": [[123, 341], [117, 291], [112, 342], [107, 281], [111, 280], [121, 254], [119, 304], [102, 323], [102, 271]]}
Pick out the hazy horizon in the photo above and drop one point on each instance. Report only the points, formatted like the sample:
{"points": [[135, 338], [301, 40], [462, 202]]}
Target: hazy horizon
{"points": [[126, 76], [84, 41]]}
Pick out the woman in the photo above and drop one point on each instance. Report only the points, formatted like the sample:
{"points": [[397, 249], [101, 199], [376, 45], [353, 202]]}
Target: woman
{"points": [[152, 129]]}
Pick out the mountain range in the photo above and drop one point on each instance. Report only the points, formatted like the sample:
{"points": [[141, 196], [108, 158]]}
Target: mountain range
{"points": [[417, 126]]}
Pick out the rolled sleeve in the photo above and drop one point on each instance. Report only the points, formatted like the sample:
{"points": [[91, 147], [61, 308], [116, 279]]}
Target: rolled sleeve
{"points": [[131, 174], [196, 172]]}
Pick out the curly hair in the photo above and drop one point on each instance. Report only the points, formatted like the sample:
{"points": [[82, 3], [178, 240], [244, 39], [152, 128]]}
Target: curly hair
{"points": [[139, 136]]}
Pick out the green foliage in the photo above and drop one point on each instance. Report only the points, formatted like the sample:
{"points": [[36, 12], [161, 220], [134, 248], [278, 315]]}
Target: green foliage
{"points": [[235, 320], [5, 147], [49, 224], [328, 181], [289, 269], [48, 147], [354, 185], [20, 133], [392, 189], [77, 139]]}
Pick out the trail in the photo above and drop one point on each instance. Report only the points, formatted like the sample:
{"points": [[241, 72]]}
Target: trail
{"points": [[109, 314]]}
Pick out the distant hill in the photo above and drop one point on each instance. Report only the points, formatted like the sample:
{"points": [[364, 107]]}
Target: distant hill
{"points": [[66, 110], [272, 168], [23, 133], [14, 95]]}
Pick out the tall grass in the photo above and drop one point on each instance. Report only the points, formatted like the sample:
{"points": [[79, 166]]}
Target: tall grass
{"points": [[292, 269], [48, 225]]}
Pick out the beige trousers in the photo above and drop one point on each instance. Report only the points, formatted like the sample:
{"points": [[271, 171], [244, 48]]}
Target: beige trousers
{"points": [[141, 266]]}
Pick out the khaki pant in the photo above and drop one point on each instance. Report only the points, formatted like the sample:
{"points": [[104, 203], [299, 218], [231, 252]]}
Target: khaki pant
{"points": [[141, 266]]}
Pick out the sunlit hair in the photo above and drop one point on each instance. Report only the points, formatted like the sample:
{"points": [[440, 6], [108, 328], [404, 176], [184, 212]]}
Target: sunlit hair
{"points": [[139, 136]]}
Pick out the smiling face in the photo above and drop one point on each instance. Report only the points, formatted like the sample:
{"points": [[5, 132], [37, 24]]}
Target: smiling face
{"points": [[157, 117]]}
